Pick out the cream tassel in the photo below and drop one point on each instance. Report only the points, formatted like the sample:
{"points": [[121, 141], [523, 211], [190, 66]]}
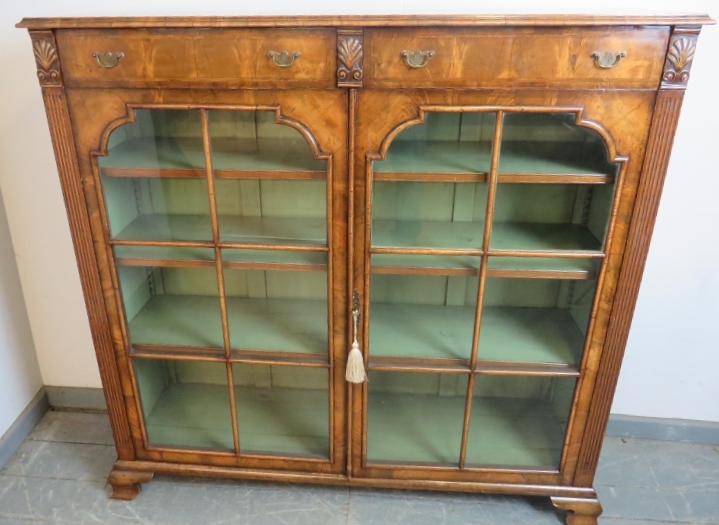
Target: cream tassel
{"points": [[355, 361]]}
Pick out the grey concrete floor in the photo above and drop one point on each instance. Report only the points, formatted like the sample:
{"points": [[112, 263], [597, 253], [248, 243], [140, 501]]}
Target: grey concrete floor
{"points": [[58, 476]]}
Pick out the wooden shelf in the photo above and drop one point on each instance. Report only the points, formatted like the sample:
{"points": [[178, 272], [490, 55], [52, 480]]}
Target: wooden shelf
{"points": [[525, 236], [529, 335], [551, 158], [468, 266], [280, 325], [231, 158], [428, 234], [458, 265], [277, 231], [275, 260], [467, 236], [273, 230], [542, 267], [424, 158], [421, 331], [160, 256], [154, 227], [266, 158], [427, 429], [282, 421], [416, 333], [446, 161]]}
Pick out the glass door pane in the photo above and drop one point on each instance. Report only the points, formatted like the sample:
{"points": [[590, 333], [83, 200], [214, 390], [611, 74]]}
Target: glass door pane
{"points": [[218, 223], [415, 417], [185, 403], [154, 178], [269, 187], [277, 310], [283, 410], [171, 306], [519, 421]]}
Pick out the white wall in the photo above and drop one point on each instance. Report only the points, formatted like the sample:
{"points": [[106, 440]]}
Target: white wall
{"points": [[19, 371], [672, 360]]}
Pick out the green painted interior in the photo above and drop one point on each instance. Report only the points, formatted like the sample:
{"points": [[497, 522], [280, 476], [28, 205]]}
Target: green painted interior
{"points": [[539, 321], [282, 311], [251, 210], [515, 421], [280, 410], [417, 418]]}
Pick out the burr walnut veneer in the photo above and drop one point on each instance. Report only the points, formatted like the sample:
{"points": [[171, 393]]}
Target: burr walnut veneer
{"points": [[470, 199]]}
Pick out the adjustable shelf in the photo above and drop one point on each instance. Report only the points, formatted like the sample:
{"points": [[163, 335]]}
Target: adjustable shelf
{"points": [[519, 162], [234, 230], [231, 158], [466, 237], [279, 325], [404, 335]]}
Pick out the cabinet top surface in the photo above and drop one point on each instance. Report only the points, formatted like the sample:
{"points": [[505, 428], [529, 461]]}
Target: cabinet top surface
{"points": [[365, 21]]}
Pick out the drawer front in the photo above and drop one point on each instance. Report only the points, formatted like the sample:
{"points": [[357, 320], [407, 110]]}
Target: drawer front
{"points": [[515, 57], [198, 58]]}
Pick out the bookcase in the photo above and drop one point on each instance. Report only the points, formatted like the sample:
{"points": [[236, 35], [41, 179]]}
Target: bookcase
{"points": [[397, 252]]}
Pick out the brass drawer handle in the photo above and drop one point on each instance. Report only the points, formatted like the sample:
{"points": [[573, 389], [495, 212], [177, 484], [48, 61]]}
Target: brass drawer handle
{"points": [[608, 60], [108, 60], [284, 58], [417, 59]]}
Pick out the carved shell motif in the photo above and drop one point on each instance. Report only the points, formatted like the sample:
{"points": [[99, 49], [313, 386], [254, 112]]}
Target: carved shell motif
{"points": [[680, 55], [350, 52], [46, 56]]}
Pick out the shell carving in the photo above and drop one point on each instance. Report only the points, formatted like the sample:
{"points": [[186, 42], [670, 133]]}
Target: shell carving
{"points": [[45, 57], [44, 54], [350, 52], [679, 58]]}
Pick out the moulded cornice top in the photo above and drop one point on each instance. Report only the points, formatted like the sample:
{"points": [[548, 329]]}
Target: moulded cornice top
{"points": [[365, 21]]}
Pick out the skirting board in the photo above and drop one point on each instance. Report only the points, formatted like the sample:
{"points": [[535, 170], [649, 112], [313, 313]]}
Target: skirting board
{"points": [[76, 398], [22, 426]]}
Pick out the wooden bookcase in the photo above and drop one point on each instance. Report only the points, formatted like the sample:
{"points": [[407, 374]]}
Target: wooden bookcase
{"points": [[478, 193]]}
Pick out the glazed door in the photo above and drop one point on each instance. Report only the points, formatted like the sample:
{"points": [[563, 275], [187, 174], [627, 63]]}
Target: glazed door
{"points": [[224, 238], [484, 258]]}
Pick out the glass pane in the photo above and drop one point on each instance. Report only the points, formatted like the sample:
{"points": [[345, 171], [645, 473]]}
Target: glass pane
{"points": [[551, 143], [535, 320], [282, 410], [394, 263], [185, 403], [154, 178], [250, 151], [134, 254], [408, 211], [282, 311], [428, 215], [168, 306], [422, 316], [415, 417], [519, 421], [551, 216], [444, 143]]}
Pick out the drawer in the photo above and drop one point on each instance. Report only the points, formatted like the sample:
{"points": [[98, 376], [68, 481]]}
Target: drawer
{"points": [[199, 57], [514, 57]]}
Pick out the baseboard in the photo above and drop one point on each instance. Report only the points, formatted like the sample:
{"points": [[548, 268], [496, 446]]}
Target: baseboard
{"points": [[661, 429], [75, 398], [664, 429], [22, 426]]}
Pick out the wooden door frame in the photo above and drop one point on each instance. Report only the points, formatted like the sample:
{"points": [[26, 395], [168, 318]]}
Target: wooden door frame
{"points": [[380, 116]]}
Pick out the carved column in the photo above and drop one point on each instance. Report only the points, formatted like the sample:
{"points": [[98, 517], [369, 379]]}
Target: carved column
{"points": [[668, 103], [58, 115]]}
